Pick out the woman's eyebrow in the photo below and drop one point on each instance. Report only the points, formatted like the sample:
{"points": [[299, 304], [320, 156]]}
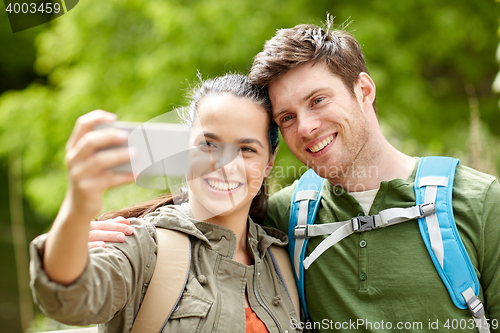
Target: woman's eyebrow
{"points": [[210, 135], [214, 136], [250, 140]]}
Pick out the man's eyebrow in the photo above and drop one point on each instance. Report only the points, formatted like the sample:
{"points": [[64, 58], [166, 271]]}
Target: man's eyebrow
{"points": [[214, 136], [315, 91], [280, 113]]}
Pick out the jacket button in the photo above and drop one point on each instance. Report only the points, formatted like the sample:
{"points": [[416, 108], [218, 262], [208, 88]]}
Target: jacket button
{"points": [[362, 277], [362, 243]]}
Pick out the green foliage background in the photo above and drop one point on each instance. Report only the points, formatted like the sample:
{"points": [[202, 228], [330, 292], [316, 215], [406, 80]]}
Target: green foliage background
{"points": [[430, 61]]}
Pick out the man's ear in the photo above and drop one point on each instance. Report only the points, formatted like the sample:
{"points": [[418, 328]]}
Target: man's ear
{"points": [[365, 89], [270, 164]]}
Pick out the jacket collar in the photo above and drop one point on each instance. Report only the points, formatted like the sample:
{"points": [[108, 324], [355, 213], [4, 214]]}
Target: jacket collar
{"points": [[217, 238]]}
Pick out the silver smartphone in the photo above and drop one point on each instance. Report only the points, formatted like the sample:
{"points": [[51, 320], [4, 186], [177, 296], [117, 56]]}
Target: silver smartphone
{"points": [[162, 149]]}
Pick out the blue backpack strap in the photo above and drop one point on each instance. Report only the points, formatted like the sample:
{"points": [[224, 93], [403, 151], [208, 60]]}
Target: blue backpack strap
{"points": [[305, 203], [434, 183]]}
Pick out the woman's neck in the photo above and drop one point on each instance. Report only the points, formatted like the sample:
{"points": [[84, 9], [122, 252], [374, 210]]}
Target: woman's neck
{"points": [[235, 221]]}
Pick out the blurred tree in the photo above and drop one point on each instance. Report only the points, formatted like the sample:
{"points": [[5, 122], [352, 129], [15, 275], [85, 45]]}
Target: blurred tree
{"points": [[16, 72], [422, 57]]}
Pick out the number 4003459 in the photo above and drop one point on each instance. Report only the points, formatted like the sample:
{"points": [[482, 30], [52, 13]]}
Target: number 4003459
{"points": [[33, 8]]}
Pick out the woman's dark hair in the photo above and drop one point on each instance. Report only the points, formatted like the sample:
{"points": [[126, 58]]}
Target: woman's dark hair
{"points": [[238, 86]]}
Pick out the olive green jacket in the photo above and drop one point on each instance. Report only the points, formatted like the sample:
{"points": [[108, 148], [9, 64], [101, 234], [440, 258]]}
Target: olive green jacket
{"points": [[111, 289]]}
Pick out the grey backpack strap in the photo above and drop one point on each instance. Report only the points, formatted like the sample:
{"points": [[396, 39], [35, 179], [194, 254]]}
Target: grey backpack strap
{"points": [[76, 330], [167, 284], [280, 255]]}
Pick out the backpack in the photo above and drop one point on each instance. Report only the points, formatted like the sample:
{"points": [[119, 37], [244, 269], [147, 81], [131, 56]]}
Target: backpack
{"points": [[434, 211], [170, 277], [171, 273]]}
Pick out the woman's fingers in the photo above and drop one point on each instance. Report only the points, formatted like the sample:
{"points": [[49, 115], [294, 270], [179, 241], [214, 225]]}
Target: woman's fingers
{"points": [[90, 156], [93, 142], [99, 163], [86, 123]]}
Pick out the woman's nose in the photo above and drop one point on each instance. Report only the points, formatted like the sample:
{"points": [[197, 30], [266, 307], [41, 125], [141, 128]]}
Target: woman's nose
{"points": [[226, 157]]}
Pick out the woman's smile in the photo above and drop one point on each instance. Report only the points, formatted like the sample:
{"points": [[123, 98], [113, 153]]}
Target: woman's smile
{"points": [[222, 187]]}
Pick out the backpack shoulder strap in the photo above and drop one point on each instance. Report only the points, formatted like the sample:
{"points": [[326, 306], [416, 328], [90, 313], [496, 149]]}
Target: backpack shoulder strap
{"points": [[303, 209], [280, 254], [434, 183], [167, 283]]}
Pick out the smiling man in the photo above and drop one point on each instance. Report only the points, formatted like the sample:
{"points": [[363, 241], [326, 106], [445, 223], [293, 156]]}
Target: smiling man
{"points": [[382, 280]]}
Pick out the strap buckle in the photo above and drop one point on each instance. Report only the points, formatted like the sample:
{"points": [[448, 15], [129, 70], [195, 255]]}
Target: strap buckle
{"points": [[427, 209], [300, 231], [363, 223], [476, 307]]}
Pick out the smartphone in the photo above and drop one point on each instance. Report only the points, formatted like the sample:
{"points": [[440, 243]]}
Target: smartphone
{"points": [[162, 149]]}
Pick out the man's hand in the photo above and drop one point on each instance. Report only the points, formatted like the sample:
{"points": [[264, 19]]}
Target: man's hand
{"points": [[112, 230]]}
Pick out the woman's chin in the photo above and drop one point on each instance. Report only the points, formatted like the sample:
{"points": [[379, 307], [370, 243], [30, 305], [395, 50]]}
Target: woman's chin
{"points": [[222, 207]]}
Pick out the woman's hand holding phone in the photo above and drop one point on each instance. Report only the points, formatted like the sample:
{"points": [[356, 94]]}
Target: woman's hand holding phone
{"points": [[89, 163], [66, 248]]}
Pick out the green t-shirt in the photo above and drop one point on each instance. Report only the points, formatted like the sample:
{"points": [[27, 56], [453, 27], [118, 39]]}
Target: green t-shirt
{"points": [[384, 280]]}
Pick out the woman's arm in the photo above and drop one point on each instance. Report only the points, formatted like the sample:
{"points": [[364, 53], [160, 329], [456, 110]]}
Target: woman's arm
{"points": [[110, 286], [66, 249]]}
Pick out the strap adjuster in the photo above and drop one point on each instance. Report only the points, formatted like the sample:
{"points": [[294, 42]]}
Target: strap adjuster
{"points": [[363, 223], [476, 307], [300, 231], [427, 209]]}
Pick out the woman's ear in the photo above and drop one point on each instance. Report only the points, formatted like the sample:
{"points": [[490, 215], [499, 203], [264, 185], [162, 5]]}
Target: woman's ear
{"points": [[270, 164]]}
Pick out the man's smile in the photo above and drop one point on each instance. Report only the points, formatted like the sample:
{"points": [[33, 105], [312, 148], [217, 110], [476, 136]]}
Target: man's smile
{"points": [[320, 144]]}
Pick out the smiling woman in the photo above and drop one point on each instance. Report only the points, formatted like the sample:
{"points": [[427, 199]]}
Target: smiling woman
{"points": [[232, 160], [233, 285]]}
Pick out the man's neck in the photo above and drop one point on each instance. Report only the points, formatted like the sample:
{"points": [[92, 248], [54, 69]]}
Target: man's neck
{"points": [[376, 163]]}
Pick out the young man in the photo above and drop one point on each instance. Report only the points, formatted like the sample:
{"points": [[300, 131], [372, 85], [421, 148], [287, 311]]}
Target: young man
{"points": [[381, 280]]}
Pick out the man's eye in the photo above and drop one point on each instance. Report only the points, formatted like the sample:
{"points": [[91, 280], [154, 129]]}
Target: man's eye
{"points": [[318, 100], [286, 118]]}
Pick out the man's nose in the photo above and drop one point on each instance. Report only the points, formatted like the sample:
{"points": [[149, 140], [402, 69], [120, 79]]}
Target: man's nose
{"points": [[307, 123]]}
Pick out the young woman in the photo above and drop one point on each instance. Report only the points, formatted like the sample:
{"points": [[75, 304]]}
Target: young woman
{"points": [[233, 145]]}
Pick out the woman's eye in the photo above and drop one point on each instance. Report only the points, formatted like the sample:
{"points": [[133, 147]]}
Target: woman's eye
{"points": [[286, 118], [206, 144], [248, 149]]}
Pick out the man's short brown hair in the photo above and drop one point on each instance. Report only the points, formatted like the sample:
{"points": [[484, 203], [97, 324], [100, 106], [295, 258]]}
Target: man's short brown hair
{"points": [[307, 43]]}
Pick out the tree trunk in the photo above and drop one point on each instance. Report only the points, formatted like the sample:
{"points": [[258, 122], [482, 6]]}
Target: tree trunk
{"points": [[19, 238]]}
